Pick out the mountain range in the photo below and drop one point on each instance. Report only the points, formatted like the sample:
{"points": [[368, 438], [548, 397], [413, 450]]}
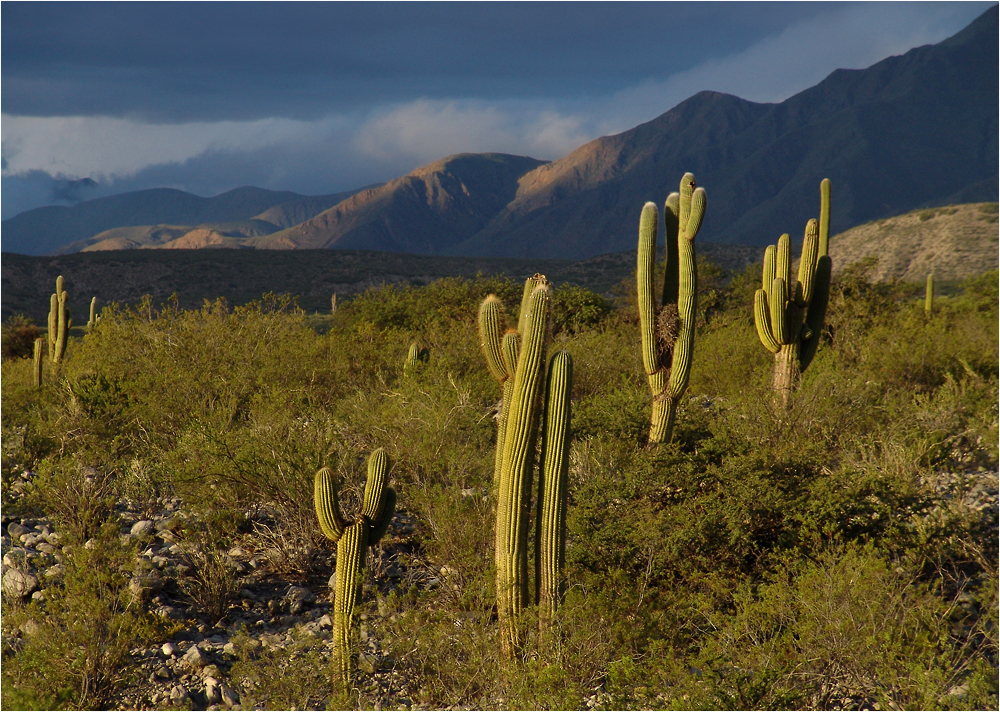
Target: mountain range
{"points": [[913, 131]]}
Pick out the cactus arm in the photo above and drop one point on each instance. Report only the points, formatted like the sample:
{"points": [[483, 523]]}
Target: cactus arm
{"points": [[64, 324], [552, 486], [824, 217], [516, 471], [783, 263], [53, 326], [529, 287], [807, 263], [491, 323], [671, 220], [762, 320], [380, 526], [817, 310], [680, 368], [769, 273], [375, 485], [511, 345], [697, 212], [331, 521], [687, 190], [648, 224], [778, 302]]}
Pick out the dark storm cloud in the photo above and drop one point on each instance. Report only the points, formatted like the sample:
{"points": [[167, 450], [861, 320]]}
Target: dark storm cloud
{"points": [[211, 61]]}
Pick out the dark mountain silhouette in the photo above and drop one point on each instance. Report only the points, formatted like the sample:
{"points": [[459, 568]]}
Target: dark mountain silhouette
{"points": [[911, 131]]}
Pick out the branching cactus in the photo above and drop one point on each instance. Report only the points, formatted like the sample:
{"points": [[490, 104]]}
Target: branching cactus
{"points": [[37, 361], [550, 541], [668, 331], [353, 540], [59, 322], [789, 315]]}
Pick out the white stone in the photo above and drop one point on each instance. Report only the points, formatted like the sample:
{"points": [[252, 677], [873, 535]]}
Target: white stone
{"points": [[18, 584], [142, 528]]}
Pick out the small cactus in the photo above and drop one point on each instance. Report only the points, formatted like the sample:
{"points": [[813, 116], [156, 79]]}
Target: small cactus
{"points": [[789, 315], [333, 303], [929, 295], [92, 322], [37, 361], [668, 332], [353, 540], [414, 357], [60, 322]]}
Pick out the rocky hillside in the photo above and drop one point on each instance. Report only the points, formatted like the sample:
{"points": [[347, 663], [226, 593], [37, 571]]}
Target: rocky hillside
{"points": [[428, 211], [953, 242]]}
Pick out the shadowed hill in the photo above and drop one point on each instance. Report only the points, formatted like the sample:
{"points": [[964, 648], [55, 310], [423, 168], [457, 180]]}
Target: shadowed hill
{"points": [[426, 212], [911, 131]]}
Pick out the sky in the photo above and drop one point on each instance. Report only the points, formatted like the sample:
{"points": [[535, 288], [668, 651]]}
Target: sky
{"points": [[103, 98]]}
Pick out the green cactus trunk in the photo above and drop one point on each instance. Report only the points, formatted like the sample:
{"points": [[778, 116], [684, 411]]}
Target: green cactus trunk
{"points": [[352, 542], [37, 361], [333, 303], [789, 314], [92, 322], [550, 541], [929, 295], [668, 332], [516, 471], [412, 359], [50, 335]]}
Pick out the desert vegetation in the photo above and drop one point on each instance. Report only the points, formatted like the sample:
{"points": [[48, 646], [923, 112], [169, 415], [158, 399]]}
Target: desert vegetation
{"points": [[162, 548]]}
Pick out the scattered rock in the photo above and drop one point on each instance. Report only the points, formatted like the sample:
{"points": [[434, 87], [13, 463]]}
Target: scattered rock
{"points": [[141, 528], [180, 696], [229, 696], [18, 584], [17, 530], [196, 657], [169, 650]]}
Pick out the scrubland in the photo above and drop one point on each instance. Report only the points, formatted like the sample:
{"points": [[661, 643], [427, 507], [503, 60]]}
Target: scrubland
{"points": [[841, 554]]}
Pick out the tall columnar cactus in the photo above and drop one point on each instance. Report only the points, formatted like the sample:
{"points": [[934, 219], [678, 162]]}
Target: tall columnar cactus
{"points": [[550, 541], [516, 358], [668, 332], [333, 303], [92, 322], [37, 361], [353, 540], [59, 322], [929, 295], [789, 316]]}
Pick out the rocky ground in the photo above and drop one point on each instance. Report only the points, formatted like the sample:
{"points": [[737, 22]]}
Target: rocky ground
{"points": [[270, 608]]}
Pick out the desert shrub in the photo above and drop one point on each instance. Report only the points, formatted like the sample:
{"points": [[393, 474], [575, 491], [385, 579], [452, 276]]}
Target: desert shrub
{"points": [[297, 677], [75, 649], [18, 337]]}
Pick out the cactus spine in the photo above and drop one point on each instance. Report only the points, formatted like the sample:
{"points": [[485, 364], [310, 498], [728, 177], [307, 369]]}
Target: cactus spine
{"points": [[92, 322], [552, 486], [929, 295], [789, 316], [353, 540], [59, 322], [37, 361], [668, 332]]}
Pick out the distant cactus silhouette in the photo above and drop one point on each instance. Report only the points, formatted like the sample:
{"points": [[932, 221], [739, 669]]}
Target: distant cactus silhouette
{"points": [[929, 295]]}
